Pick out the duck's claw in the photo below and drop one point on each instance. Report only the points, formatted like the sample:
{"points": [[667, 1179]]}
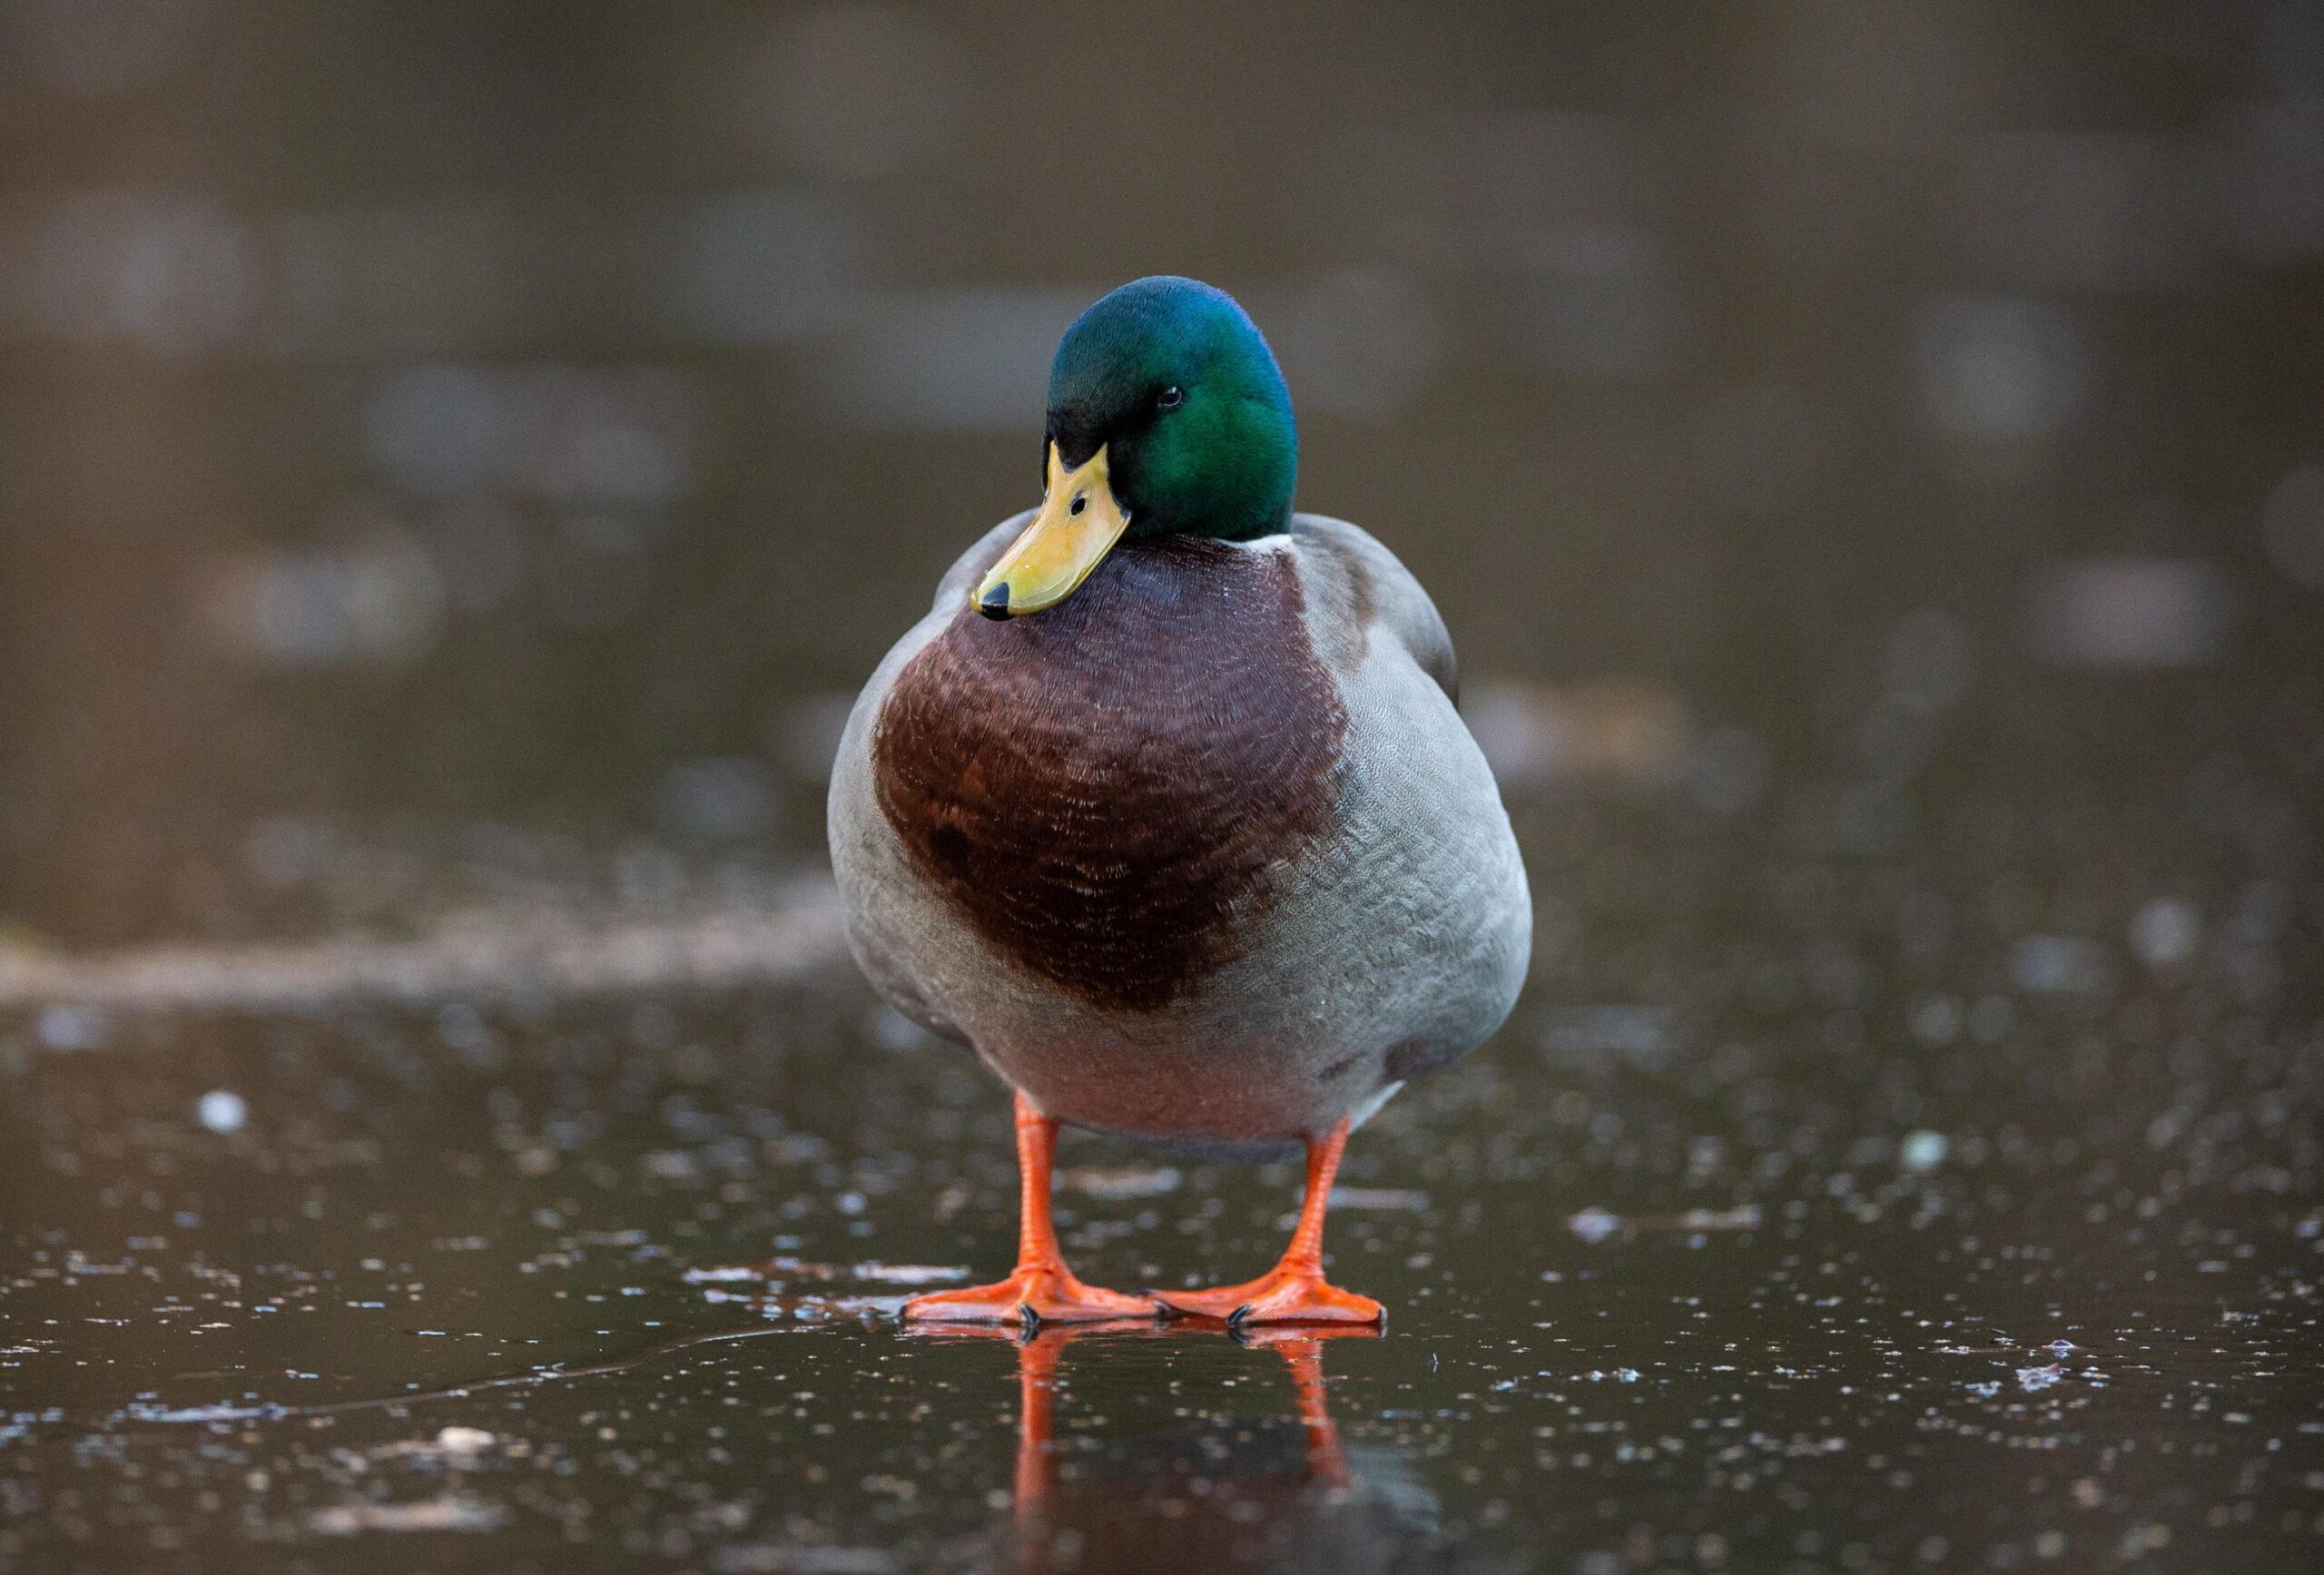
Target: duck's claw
{"points": [[1279, 1297], [1036, 1293]]}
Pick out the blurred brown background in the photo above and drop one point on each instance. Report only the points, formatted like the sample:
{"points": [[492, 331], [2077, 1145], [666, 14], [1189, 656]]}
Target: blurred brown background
{"points": [[465, 446]]}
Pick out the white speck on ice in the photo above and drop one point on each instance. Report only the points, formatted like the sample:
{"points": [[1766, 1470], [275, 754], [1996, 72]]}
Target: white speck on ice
{"points": [[222, 1111], [1923, 1150], [74, 1028], [2165, 931], [1594, 1223]]}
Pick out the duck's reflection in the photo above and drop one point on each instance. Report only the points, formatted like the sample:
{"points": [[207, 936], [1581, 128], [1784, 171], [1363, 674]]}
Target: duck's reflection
{"points": [[1222, 1496]]}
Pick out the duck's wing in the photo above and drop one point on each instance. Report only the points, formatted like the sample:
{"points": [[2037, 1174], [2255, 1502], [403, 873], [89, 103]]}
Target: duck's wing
{"points": [[1359, 591]]}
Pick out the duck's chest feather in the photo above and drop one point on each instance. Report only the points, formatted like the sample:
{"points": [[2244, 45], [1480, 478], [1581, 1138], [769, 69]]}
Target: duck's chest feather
{"points": [[1109, 791]]}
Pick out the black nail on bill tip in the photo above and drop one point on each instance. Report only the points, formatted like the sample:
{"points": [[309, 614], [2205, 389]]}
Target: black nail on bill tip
{"points": [[995, 604]]}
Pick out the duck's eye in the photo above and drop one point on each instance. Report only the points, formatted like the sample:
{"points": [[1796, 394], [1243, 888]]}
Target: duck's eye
{"points": [[1170, 399]]}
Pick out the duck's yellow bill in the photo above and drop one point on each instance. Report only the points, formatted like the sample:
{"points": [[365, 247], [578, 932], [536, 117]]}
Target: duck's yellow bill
{"points": [[1077, 524]]}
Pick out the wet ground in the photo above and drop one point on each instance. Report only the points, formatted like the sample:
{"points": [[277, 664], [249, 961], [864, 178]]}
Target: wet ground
{"points": [[1937, 1197]]}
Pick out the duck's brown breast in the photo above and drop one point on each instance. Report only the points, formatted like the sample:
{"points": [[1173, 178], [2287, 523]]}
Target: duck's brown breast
{"points": [[1107, 792]]}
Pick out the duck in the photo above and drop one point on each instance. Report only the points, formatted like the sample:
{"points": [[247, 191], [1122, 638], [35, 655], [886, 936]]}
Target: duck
{"points": [[1166, 811]]}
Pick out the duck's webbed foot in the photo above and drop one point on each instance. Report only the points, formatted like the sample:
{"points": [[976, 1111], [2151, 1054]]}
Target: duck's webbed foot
{"points": [[1294, 1290], [1287, 1294], [1036, 1293]]}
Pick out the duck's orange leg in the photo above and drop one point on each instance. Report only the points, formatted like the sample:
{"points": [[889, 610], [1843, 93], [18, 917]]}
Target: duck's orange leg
{"points": [[1294, 1290], [1042, 1290]]}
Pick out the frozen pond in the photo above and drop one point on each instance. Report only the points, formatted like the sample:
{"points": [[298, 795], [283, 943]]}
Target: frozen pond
{"points": [[1828, 1247]]}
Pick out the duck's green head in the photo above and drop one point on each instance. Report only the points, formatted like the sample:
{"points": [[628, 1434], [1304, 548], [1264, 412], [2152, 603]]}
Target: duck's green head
{"points": [[1168, 416]]}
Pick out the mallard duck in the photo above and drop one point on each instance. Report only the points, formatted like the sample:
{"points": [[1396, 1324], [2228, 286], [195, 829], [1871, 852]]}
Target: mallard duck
{"points": [[1165, 809]]}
